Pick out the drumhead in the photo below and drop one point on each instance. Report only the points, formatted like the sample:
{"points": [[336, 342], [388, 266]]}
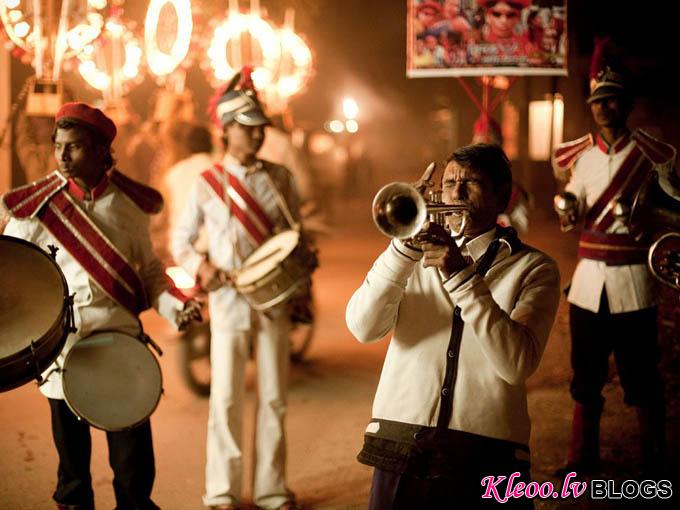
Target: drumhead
{"points": [[112, 381], [265, 258], [33, 294]]}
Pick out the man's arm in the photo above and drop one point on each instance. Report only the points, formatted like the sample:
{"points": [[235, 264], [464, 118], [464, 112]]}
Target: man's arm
{"points": [[186, 232], [513, 343], [577, 187], [372, 310], [168, 301]]}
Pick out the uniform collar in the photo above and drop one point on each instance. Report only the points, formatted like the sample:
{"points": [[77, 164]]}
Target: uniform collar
{"points": [[235, 165], [95, 192], [615, 147], [477, 246]]}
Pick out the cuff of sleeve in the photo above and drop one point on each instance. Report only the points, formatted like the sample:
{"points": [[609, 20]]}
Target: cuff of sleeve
{"points": [[457, 279], [397, 262], [169, 305], [407, 251]]}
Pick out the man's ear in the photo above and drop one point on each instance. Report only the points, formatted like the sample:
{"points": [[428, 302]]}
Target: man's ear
{"points": [[102, 151], [503, 195]]}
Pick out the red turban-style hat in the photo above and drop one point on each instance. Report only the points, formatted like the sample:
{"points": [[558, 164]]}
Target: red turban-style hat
{"points": [[92, 117]]}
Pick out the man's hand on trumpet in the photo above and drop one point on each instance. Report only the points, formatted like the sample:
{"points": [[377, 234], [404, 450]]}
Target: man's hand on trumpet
{"points": [[426, 181], [440, 249]]}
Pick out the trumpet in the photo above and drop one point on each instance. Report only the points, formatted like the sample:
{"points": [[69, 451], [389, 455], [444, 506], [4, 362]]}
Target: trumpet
{"points": [[566, 206], [400, 211]]}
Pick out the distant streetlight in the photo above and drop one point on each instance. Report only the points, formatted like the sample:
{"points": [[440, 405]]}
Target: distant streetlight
{"points": [[336, 126], [350, 108]]}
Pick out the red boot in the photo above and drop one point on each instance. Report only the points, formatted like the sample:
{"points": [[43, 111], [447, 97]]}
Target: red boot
{"points": [[584, 451]]}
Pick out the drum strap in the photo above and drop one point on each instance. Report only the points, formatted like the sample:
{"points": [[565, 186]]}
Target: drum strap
{"points": [[283, 206], [242, 205], [86, 243], [625, 183]]}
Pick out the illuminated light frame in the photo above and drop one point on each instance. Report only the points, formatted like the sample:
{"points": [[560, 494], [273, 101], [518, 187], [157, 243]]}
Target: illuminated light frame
{"points": [[261, 31], [287, 85], [99, 79], [27, 42], [159, 62]]}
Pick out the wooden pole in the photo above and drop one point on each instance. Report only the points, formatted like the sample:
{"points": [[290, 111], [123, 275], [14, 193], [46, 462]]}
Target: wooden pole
{"points": [[5, 101]]}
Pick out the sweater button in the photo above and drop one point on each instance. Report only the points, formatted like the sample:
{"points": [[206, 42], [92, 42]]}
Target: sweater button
{"points": [[450, 353], [445, 391], [418, 435]]}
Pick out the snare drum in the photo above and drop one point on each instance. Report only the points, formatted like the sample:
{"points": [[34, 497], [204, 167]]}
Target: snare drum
{"points": [[275, 270], [36, 313], [112, 381]]}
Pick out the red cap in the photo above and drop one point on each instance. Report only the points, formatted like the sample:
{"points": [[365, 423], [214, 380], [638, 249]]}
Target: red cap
{"points": [[92, 117]]}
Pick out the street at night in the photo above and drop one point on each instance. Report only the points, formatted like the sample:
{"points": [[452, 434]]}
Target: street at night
{"points": [[211, 158]]}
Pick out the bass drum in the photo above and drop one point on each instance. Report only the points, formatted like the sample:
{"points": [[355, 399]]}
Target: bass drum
{"points": [[112, 381], [36, 313]]}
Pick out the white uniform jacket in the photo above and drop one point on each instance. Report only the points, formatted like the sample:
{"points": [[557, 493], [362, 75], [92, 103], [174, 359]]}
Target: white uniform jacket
{"points": [[179, 180], [228, 243], [507, 318], [125, 225], [629, 287]]}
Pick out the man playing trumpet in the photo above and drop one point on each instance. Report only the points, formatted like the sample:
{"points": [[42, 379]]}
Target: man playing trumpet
{"points": [[470, 319]]}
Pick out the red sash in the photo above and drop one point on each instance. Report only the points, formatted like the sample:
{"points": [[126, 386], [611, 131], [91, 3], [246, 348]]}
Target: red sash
{"points": [[241, 203], [614, 249], [625, 183], [94, 252]]}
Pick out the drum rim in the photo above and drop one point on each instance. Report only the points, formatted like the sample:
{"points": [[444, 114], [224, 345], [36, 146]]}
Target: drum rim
{"points": [[97, 425], [59, 321], [280, 298], [276, 266]]}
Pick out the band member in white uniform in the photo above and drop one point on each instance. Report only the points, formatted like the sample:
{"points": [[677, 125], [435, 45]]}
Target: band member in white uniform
{"points": [[612, 294], [239, 203], [98, 219], [470, 320]]}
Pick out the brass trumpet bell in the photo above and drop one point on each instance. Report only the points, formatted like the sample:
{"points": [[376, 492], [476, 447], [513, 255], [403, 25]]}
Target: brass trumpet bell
{"points": [[400, 211]]}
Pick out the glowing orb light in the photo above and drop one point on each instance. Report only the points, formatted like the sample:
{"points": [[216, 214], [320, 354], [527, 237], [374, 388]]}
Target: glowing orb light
{"points": [[225, 48], [112, 63], [161, 62], [65, 27], [295, 67]]}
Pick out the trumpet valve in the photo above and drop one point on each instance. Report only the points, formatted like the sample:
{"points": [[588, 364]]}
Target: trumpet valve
{"points": [[435, 197]]}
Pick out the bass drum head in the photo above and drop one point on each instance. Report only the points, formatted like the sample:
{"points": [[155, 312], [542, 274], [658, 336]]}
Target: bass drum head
{"points": [[266, 258], [112, 381], [33, 295]]}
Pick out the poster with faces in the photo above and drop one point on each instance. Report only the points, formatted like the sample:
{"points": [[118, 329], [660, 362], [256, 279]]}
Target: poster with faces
{"points": [[486, 37]]}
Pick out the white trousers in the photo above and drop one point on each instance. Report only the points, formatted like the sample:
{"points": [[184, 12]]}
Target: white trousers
{"points": [[228, 356]]}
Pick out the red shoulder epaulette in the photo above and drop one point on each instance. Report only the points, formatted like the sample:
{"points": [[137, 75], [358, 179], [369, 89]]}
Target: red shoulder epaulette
{"points": [[658, 152], [566, 154], [25, 201], [145, 197]]}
